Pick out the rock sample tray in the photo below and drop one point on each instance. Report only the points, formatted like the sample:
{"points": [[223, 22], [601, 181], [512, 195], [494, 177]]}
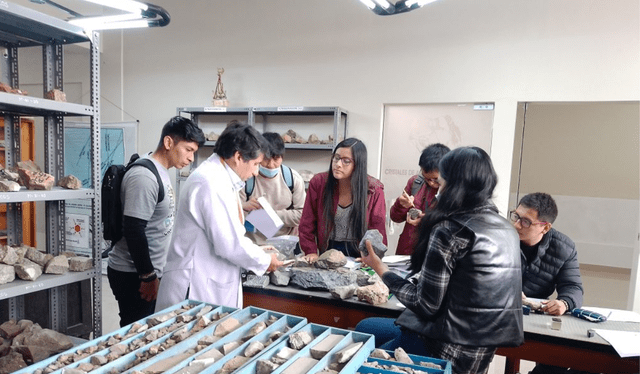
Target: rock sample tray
{"points": [[420, 364]]}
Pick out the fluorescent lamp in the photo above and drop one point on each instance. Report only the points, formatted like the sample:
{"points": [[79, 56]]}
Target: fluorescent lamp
{"points": [[369, 3], [420, 3], [118, 25], [89, 22], [130, 6], [383, 3]]}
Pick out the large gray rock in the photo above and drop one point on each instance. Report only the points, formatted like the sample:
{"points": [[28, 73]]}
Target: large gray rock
{"points": [[7, 273], [9, 186], [322, 279], [256, 281], [28, 270], [57, 265], [344, 292], [376, 242], [8, 255], [280, 277], [12, 362], [70, 182], [80, 263], [37, 256], [331, 259]]}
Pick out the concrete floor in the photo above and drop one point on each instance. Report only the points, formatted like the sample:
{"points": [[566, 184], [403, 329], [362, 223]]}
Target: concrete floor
{"points": [[604, 287]]}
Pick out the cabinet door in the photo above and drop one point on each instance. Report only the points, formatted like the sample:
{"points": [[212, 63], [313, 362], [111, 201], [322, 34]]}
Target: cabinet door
{"points": [[27, 152]]}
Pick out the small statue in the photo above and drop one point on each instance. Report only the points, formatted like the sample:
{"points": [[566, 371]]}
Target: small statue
{"points": [[219, 95]]}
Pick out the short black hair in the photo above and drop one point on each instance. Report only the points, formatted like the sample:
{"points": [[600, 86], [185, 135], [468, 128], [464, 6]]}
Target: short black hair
{"points": [[182, 129], [240, 137], [276, 144], [431, 156], [543, 203]]}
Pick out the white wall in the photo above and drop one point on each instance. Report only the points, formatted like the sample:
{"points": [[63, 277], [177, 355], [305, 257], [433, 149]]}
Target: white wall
{"points": [[337, 52]]}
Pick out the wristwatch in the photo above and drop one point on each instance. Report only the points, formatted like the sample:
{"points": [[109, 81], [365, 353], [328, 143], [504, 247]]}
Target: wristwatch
{"points": [[566, 305], [148, 277]]}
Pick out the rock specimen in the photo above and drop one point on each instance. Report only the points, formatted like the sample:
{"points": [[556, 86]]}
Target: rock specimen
{"points": [[535, 305], [253, 348], [375, 238], [265, 367], [345, 354], [80, 263], [37, 256], [301, 365], [7, 274], [380, 353], [255, 330], [313, 139], [70, 182], [286, 138], [299, 339], [402, 356], [233, 364], [319, 350], [226, 326], [414, 213], [8, 255], [57, 265], [322, 279], [56, 95], [280, 277], [256, 281], [9, 175], [212, 136], [344, 292], [6, 88], [9, 186], [331, 259], [11, 362], [28, 270], [375, 294], [36, 180]]}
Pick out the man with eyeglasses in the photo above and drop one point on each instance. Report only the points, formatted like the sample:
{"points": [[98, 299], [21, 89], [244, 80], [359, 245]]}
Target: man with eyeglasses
{"points": [[549, 258], [549, 261]]}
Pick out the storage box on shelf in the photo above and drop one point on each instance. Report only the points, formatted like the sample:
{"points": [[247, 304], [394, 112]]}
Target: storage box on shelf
{"points": [[193, 336], [71, 302]]}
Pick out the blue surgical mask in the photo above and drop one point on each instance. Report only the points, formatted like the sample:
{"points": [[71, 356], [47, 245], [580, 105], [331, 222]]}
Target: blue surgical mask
{"points": [[269, 173]]}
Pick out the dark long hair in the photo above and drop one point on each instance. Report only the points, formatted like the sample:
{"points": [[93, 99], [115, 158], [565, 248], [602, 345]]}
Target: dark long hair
{"points": [[359, 187], [469, 183]]}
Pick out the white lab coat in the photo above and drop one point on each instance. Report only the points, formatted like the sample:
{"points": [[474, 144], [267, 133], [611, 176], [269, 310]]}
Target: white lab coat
{"points": [[209, 248]]}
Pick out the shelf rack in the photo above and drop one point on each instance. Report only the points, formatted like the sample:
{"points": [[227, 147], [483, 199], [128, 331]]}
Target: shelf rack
{"points": [[22, 27]]}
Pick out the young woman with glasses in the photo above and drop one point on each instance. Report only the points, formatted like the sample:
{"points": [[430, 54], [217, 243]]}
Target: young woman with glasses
{"points": [[342, 204]]}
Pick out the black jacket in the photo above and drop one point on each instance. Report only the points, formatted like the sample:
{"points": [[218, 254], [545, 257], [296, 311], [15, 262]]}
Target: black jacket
{"points": [[555, 267], [483, 304]]}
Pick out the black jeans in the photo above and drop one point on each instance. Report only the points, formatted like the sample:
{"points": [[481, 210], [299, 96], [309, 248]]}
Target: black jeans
{"points": [[126, 289]]}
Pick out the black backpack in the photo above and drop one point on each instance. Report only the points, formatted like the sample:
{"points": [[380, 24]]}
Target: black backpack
{"points": [[112, 204]]}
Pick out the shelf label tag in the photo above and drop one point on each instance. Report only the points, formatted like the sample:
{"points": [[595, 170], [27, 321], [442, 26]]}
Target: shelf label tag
{"points": [[215, 109], [482, 106], [290, 108]]}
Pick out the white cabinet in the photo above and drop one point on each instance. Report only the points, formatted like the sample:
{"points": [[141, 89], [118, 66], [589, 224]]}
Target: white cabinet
{"points": [[50, 297]]}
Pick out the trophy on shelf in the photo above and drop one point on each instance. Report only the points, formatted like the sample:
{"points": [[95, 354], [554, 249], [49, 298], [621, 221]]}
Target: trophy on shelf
{"points": [[219, 95]]}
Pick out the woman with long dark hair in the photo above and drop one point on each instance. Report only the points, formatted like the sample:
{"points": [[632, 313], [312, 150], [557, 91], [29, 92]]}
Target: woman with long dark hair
{"points": [[463, 296], [342, 204]]}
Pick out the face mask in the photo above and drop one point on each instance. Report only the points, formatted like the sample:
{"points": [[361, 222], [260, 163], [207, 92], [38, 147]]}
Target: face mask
{"points": [[269, 173]]}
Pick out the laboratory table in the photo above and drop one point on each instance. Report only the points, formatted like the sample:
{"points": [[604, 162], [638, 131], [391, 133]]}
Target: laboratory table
{"points": [[568, 347]]}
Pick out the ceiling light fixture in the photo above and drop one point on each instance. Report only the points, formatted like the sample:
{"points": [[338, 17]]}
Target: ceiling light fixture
{"points": [[386, 8], [138, 14]]}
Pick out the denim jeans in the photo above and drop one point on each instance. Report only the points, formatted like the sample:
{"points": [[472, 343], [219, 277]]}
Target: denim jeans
{"points": [[390, 336]]}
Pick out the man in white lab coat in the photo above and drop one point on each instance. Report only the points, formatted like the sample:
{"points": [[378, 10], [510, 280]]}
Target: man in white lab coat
{"points": [[209, 249]]}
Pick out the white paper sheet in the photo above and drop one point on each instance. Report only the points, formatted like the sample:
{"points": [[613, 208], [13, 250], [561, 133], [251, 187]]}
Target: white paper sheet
{"points": [[265, 220], [626, 343]]}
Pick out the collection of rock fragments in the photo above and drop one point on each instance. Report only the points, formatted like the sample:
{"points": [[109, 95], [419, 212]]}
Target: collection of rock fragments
{"points": [[288, 137], [29, 175], [329, 274], [400, 356], [28, 263], [54, 94]]}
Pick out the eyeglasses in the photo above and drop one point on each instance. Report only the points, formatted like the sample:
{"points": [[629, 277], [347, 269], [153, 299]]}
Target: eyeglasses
{"points": [[346, 161], [515, 217]]}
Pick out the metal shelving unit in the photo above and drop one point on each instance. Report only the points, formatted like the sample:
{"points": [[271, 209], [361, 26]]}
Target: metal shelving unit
{"points": [[23, 27], [331, 120]]}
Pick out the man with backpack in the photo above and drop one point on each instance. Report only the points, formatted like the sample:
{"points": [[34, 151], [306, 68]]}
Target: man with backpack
{"points": [[419, 193], [281, 186], [136, 263]]}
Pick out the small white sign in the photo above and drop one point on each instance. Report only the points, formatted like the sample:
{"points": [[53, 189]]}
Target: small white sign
{"points": [[77, 232], [482, 106], [290, 108], [215, 109]]}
